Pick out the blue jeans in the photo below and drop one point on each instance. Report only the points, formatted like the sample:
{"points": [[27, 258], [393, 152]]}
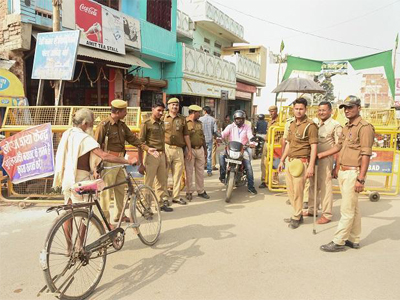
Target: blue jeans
{"points": [[246, 164], [209, 154]]}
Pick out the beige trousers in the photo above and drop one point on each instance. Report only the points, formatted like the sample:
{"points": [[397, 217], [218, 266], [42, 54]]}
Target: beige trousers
{"points": [[214, 153], [111, 177], [197, 164], [295, 190], [324, 188], [176, 164], [349, 227], [156, 174]]}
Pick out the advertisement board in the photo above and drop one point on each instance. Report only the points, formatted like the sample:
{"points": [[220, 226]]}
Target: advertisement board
{"points": [[29, 154], [132, 32], [101, 27], [381, 162], [11, 90], [55, 55], [334, 67]]}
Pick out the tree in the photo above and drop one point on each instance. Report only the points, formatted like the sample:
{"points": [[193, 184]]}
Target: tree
{"points": [[327, 85]]}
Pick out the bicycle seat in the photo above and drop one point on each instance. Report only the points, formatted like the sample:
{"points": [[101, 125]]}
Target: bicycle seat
{"points": [[88, 186]]}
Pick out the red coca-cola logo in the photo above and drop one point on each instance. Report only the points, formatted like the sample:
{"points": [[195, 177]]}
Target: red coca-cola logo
{"points": [[88, 10]]}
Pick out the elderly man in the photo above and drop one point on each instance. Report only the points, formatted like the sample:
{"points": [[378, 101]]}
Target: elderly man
{"points": [[210, 129], [78, 154], [329, 133]]}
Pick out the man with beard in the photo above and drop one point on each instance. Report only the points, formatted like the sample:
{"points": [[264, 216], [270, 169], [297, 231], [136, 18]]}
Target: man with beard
{"points": [[111, 134], [78, 154]]}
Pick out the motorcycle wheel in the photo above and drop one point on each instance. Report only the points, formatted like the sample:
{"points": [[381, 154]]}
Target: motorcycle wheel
{"points": [[229, 186]]}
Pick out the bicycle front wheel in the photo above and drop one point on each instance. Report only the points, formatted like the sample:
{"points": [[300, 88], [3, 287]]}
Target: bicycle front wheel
{"points": [[68, 270], [145, 212]]}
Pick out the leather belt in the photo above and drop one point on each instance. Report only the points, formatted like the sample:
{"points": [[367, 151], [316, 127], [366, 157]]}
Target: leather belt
{"points": [[173, 146], [347, 168], [303, 159], [117, 154], [197, 147]]}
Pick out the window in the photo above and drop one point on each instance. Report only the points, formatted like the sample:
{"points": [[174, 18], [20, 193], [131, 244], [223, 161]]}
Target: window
{"points": [[217, 45], [236, 52], [217, 54], [206, 40], [114, 4], [159, 13], [252, 50]]}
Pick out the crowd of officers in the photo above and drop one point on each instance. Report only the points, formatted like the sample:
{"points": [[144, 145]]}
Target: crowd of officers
{"points": [[309, 147]]}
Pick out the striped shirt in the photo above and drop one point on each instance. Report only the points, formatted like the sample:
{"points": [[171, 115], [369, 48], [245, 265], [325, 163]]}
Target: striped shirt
{"points": [[209, 127]]}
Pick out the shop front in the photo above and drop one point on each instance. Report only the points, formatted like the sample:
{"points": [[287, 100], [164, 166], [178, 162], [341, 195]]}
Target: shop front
{"points": [[243, 100]]}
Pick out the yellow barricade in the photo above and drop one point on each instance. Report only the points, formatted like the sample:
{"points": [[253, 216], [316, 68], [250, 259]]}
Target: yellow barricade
{"points": [[383, 175]]}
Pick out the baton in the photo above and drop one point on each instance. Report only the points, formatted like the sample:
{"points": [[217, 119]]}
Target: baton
{"points": [[315, 195]]}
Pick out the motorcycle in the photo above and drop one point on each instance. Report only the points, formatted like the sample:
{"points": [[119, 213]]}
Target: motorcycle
{"points": [[235, 171], [259, 144]]}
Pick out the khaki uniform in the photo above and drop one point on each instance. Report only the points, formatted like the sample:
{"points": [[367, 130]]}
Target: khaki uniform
{"points": [[264, 163], [329, 133], [152, 135], [175, 130], [197, 140], [111, 136], [356, 141], [300, 138]]}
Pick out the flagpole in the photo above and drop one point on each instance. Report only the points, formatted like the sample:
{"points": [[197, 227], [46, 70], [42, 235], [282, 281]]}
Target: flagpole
{"points": [[279, 69]]}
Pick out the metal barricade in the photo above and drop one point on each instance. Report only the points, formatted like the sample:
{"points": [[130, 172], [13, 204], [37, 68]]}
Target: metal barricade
{"points": [[18, 118], [383, 176]]}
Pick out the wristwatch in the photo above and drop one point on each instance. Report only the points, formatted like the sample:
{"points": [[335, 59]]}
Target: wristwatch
{"points": [[362, 181]]}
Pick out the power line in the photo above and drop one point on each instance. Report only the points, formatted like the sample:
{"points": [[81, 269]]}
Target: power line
{"points": [[301, 31]]}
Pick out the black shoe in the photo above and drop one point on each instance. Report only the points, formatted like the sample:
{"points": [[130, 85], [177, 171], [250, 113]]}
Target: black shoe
{"points": [[294, 224], [189, 196], [166, 208], [204, 195], [352, 245], [332, 247], [288, 220], [215, 169], [252, 190], [222, 180], [179, 201], [262, 186], [288, 202]]}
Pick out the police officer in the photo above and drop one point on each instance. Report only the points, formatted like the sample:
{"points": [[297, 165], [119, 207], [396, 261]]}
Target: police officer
{"points": [[199, 154], [355, 148], [329, 132], [111, 134], [152, 135], [176, 138], [273, 112], [301, 153]]}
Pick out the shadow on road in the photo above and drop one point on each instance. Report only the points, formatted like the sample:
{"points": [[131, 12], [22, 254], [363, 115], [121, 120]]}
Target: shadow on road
{"points": [[176, 250]]}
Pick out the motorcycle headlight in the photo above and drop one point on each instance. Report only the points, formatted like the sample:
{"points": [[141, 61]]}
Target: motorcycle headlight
{"points": [[234, 154]]}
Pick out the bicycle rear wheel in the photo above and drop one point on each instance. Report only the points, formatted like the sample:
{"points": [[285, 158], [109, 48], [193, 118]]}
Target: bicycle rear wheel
{"points": [[67, 269], [145, 212]]}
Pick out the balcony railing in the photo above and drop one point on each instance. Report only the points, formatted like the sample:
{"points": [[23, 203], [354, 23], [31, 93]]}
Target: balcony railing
{"points": [[246, 69], [197, 63], [184, 25]]}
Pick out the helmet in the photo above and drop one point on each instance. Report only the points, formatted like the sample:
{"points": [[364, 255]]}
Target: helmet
{"points": [[261, 116], [239, 114]]}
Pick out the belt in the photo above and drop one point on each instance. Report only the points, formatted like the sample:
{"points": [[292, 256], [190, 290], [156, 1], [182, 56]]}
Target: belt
{"points": [[347, 168], [117, 154], [197, 147], [173, 146], [303, 159]]}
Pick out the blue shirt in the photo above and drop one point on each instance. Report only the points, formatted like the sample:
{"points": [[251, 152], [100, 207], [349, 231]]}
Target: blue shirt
{"points": [[209, 127]]}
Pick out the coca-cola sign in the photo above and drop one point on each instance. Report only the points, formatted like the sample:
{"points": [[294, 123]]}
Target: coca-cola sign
{"points": [[89, 10]]}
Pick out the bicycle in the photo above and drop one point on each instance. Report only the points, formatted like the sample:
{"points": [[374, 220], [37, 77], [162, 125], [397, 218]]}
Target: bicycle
{"points": [[77, 245]]}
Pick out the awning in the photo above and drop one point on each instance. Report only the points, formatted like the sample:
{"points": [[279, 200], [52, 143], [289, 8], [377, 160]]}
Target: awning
{"points": [[127, 59], [11, 89]]}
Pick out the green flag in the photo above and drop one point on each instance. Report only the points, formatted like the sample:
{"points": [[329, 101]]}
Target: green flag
{"points": [[397, 42], [283, 45]]}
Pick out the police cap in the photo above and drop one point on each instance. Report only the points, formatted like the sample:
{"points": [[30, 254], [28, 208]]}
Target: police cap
{"points": [[173, 100], [118, 103], [195, 107]]}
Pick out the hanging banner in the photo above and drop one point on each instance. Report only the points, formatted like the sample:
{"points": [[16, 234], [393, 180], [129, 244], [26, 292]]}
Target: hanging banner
{"points": [[29, 154], [381, 162], [55, 55], [334, 67], [101, 27]]}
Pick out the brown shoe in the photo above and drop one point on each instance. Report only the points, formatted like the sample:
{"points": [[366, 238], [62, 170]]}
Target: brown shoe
{"points": [[323, 220], [308, 214]]}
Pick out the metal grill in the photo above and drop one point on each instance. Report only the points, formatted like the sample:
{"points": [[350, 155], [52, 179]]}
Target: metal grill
{"points": [[36, 187]]}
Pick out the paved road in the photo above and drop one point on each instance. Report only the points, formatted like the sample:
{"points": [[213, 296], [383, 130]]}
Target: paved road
{"points": [[213, 250]]}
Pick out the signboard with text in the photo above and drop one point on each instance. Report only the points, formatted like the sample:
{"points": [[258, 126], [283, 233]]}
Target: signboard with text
{"points": [[55, 55], [101, 27], [29, 154], [334, 67], [381, 162]]}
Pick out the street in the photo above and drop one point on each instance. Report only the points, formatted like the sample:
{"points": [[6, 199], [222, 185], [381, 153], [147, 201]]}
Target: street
{"points": [[209, 249]]}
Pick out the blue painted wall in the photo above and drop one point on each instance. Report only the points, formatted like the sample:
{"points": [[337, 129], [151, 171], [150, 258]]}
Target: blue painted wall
{"points": [[174, 74]]}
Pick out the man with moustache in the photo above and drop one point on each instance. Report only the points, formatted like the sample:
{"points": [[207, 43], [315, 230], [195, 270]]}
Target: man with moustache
{"points": [[301, 152], [355, 146]]}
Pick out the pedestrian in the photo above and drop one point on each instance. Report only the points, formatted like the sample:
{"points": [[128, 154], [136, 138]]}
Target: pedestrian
{"points": [[152, 136], [111, 134], [199, 154], [78, 155], [226, 122], [273, 112], [301, 152], [176, 138], [261, 126], [329, 132], [355, 146], [209, 129], [238, 131]]}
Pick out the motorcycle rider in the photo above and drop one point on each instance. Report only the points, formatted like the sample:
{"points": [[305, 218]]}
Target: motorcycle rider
{"points": [[238, 131], [261, 127]]}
